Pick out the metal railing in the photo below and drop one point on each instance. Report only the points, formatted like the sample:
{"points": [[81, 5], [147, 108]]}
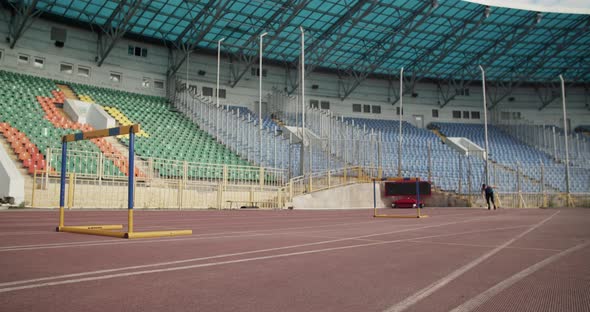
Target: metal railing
{"points": [[94, 180]]}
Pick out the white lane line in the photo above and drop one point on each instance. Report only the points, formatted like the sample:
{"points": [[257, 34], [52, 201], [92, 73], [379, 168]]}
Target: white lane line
{"points": [[236, 220], [231, 255], [199, 237], [194, 266], [419, 239], [27, 233], [485, 246], [428, 290], [482, 298]]}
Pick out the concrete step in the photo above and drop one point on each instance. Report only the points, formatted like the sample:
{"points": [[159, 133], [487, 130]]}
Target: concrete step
{"points": [[68, 92]]}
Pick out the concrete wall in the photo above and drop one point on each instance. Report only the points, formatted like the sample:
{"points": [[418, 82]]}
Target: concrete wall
{"points": [[355, 196], [12, 182], [80, 50], [360, 196]]}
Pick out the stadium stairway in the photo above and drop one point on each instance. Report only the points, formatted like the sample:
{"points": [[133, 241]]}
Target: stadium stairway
{"points": [[168, 134], [61, 120], [67, 91]]}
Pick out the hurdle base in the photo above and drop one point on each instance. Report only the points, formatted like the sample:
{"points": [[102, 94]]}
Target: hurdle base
{"points": [[401, 216], [92, 227], [150, 234], [93, 231], [105, 230]]}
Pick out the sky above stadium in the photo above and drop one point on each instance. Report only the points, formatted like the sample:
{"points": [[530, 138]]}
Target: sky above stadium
{"points": [[556, 6]]}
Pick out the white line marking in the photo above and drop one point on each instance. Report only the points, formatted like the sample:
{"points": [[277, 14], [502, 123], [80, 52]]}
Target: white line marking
{"points": [[428, 290], [70, 281], [415, 240], [243, 253], [117, 242], [485, 246], [27, 233], [200, 237], [482, 298]]}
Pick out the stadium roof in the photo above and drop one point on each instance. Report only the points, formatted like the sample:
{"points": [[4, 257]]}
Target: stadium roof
{"points": [[431, 39]]}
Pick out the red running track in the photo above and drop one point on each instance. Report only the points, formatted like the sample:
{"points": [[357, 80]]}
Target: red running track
{"points": [[456, 260]]}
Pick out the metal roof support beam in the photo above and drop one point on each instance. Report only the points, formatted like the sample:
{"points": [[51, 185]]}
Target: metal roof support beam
{"points": [[347, 16], [199, 30], [291, 76], [392, 91], [558, 43], [315, 49], [587, 95], [20, 18], [499, 48], [409, 85], [111, 34], [284, 15], [448, 91], [547, 93], [583, 70], [449, 43], [400, 33], [195, 21], [548, 51]]}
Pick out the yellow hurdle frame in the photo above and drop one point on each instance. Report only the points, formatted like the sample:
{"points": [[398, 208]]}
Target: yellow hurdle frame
{"points": [[105, 230]]}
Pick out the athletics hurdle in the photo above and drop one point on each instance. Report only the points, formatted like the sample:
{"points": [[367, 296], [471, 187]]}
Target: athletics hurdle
{"points": [[106, 230], [418, 214]]}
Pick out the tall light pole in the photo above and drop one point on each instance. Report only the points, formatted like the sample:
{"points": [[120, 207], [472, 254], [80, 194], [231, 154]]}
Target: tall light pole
{"points": [[302, 82], [188, 58], [567, 156], [218, 68], [401, 113], [260, 98], [302, 76], [485, 123], [217, 88]]}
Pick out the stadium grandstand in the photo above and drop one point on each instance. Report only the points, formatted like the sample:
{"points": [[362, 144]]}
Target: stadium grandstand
{"points": [[290, 105]]}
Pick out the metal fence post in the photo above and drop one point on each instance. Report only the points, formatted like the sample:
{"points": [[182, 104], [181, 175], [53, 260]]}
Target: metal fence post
{"points": [[544, 194], [430, 165], [518, 186]]}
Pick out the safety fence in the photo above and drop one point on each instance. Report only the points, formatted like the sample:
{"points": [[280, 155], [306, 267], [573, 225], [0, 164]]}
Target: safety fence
{"points": [[97, 181], [324, 180], [531, 200], [549, 139], [153, 193]]}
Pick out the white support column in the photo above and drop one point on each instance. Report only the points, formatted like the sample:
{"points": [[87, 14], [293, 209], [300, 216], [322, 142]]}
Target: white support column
{"points": [[401, 113], [565, 132], [260, 100], [485, 120]]}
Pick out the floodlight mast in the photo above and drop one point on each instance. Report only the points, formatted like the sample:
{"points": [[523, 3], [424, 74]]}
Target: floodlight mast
{"points": [[302, 82], [218, 68], [565, 131], [260, 100], [302, 76], [217, 88], [188, 57], [485, 125], [401, 113]]}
